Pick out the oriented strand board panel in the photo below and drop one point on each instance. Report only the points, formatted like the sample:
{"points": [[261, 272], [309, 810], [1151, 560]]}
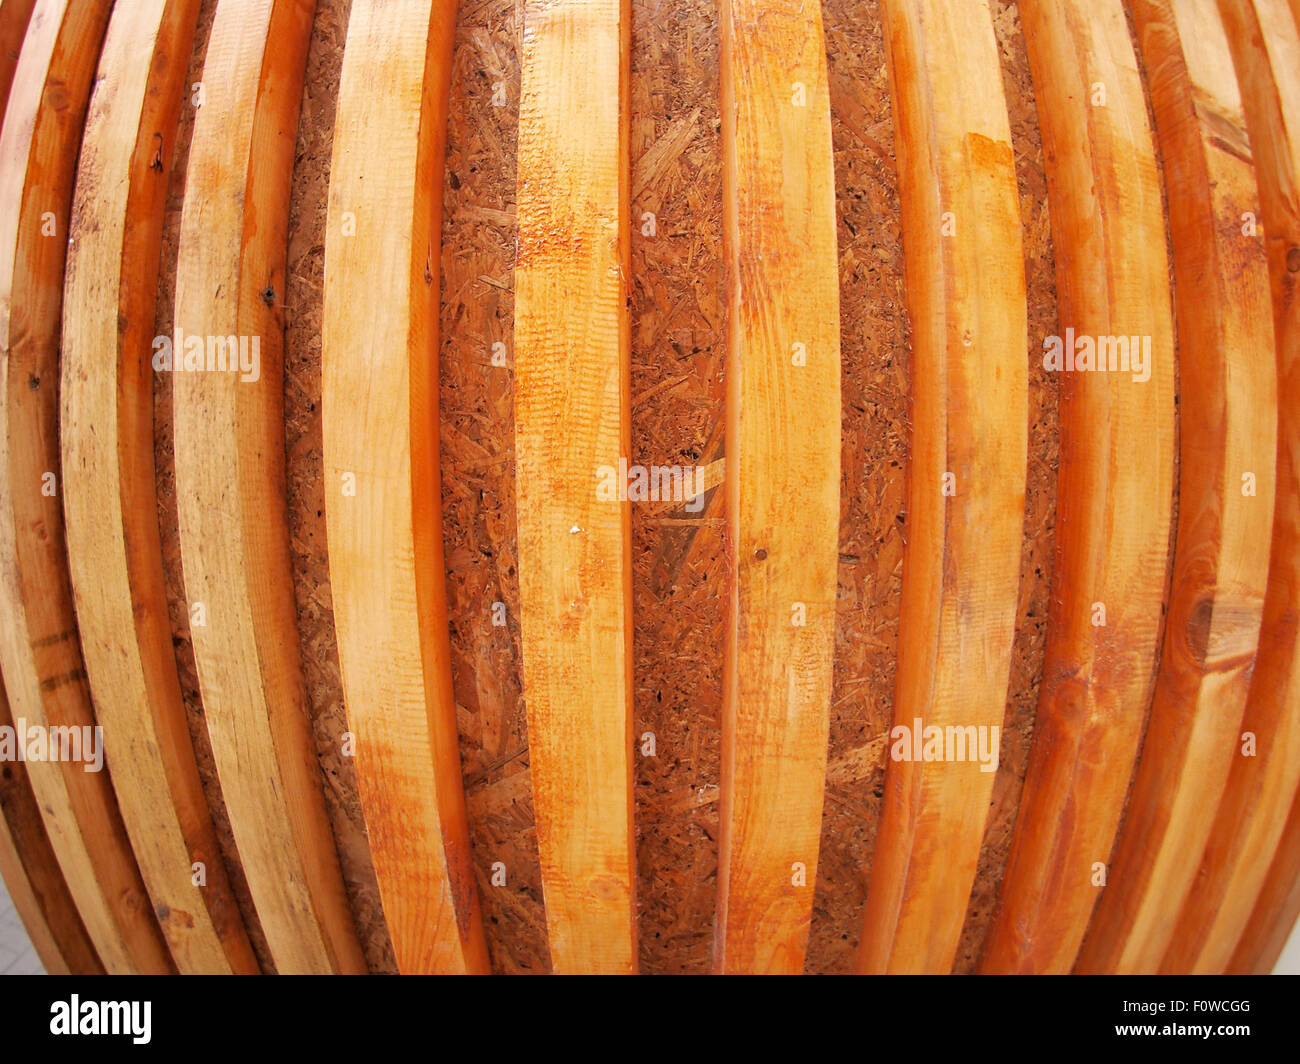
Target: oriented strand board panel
{"points": [[230, 484], [1241, 917], [379, 396], [571, 419], [782, 478], [1228, 387], [1115, 485], [965, 505], [114, 556], [39, 644]]}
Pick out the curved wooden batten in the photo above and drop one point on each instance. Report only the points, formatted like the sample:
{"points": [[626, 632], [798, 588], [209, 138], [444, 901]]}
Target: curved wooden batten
{"points": [[230, 481], [966, 481], [1240, 918], [1228, 385], [572, 417], [30, 870], [39, 644], [14, 16], [114, 551], [782, 479], [379, 402], [1115, 486]]}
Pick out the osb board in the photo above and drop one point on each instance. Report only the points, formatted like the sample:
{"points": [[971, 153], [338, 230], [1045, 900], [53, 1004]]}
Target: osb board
{"points": [[306, 488], [476, 426], [875, 432], [1040, 487], [165, 480], [678, 415]]}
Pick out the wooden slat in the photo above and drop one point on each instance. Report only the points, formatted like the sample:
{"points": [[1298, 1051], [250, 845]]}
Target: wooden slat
{"points": [[383, 508], [1115, 484], [230, 483], [572, 344], [783, 477], [1228, 383], [1253, 861], [14, 16], [39, 645], [965, 285], [114, 554], [31, 874]]}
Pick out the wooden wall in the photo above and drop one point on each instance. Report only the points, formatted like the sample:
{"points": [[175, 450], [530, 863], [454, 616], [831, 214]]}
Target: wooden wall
{"points": [[535, 485]]}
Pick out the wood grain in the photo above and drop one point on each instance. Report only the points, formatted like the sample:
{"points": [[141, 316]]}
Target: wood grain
{"points": [[14, 16], [230, 483], [1253, 860], [30, 870], [1115, 484], [571, 418], [39, 644], [1228, 387], [782, 478], [110, 504], [966, 297], [379, 388]]}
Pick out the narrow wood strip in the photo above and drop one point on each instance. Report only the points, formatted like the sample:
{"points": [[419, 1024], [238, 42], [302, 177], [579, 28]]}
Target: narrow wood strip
{"points": [[783, 477], [1256, 840], [382, 502], [31, 874], [39, 645], [572, 417], [1276, 910], [230, 483], [114, 556], [965, 283], [1228, 384], [14, 16], [1115, 486]]}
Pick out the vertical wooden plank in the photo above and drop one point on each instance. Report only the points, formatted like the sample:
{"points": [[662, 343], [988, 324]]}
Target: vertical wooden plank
{"points": [[14, 16], [380, 390], [966, 483], [1254, 856], [31, 873], [1228, 384], [230, 481], [572, 345], [1115, 484], [114, 554], [783, 477], [39, 645]]}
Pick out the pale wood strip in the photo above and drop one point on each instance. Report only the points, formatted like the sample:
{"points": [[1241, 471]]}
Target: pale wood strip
{"points": [[14, 16], [31, 873], [39, 645], [1256, 840], [230, 482], [572, 344], [1115, 485], [783, 477], [1228, 384], [380, 389], [114, 554], [965, 286]]}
